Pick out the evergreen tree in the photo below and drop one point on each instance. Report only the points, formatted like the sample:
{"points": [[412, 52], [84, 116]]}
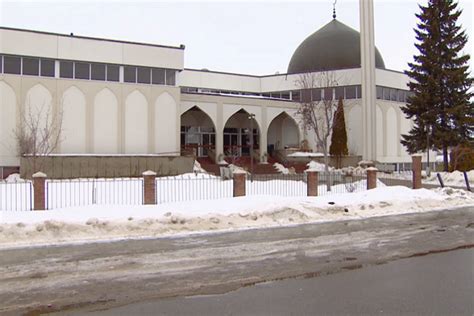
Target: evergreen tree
{"points": [[440, 102], [338, 146]]}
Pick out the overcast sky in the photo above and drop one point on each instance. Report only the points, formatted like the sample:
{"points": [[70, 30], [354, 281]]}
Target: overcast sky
{"points": [[235, 36]]}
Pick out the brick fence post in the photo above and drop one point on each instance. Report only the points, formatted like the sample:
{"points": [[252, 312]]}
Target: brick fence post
{"points": [[149, 187], [416, 169], [312, 183], [239, 177], [39, 191], [371, 178]]}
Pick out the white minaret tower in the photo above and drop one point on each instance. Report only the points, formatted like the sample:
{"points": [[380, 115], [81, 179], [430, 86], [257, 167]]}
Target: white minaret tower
{"points": [[367, 55]]}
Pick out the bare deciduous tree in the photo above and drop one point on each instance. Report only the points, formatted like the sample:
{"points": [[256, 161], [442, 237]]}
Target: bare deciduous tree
{"points": [[38, 134], [317, 112]]}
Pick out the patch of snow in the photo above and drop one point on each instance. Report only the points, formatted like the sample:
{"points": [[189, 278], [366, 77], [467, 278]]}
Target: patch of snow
{"points": [[13, 178], [106, 222], [281, 169], [197, 167], [316, 166], [305, 154]]}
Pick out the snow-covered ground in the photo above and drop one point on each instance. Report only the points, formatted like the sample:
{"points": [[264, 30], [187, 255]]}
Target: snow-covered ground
{"points": [[455, 178], [106, 222]]}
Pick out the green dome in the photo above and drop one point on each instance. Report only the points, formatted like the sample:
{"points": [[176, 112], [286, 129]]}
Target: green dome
{"points": [[334, 46]]}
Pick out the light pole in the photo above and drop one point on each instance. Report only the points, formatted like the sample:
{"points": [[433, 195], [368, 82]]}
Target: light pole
{"points": [[251, 117]]}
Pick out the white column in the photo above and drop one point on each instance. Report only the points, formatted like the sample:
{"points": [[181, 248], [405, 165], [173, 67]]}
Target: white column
{"points": [[367, 54]]}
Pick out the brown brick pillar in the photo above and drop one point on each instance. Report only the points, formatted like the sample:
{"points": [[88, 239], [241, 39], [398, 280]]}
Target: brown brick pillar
{"points": [[149, 187], [239, 183], [39, 191], [312, 183], [416, 169], [371, 178]]}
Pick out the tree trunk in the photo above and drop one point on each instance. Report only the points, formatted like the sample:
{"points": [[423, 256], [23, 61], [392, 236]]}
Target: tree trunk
{"points": [[445, 158]]}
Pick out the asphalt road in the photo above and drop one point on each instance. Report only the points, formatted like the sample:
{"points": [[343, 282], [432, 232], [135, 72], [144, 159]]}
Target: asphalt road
{"points": [[435, 284], [104, 275]]}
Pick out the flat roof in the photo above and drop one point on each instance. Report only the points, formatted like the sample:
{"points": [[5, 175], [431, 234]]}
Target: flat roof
{"points": [[181, 47]]}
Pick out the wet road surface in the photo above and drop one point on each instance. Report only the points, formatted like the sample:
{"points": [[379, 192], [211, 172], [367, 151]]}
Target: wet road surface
{"points": [[104, 275]]}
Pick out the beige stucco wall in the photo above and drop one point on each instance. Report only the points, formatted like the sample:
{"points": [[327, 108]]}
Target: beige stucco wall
{"points": [[98, 117]]}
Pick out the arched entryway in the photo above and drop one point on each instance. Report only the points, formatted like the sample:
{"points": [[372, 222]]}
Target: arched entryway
{"points": [[241, 131], [198, 133], [283, 132]]}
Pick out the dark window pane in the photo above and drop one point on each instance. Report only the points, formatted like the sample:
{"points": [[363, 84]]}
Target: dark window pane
{"points": [[285, 95], [143, 75], [113, 73], [170, 77], [351, 92], [393, 94], [306, 95], [386, 94], [339, 93], [11, 65], [316, 94], [1, 64], [402, 96], [47, 68], [129, 74], [98, 72], [327, 93], [379, 93], [359, 92], [31, 66], [82, 71], [65, 69], [275, 95], [158, 76], [295, 95]]}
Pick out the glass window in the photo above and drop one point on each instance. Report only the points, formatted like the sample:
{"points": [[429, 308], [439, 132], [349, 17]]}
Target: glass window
{"points": [[11, 65], [47, 67], [386, 94], [295, 95], [402, 96], [65, 69], [130, 74], [359, 91], [328, 93], [1, 64], [276, 95], [158, 76], [98, 71], [316, 93], [393, 94], [170, 77], [285, 95], [82, 71], [379, 92], [339, 93], [306, 95], [113, 73], [144, 75], [31, 66], [351, 92]]}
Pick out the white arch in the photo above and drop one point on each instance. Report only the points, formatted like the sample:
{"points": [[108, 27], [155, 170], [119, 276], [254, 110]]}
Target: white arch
{"points": [[166, 124], [105, 122], [8, 115], [74, 121], [38, 105], [232, 116], [136, 123], [204, 109], [285, 134]]}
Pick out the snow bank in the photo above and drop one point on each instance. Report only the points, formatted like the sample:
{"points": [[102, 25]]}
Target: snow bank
{"points": [[280, 168], [316, 166], [305, 154], [105, 222]]}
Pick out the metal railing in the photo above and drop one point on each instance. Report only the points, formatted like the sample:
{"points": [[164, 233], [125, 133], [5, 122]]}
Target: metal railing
{"points": [[191, 188], [16, 196], [277, 184], [81, 192]]}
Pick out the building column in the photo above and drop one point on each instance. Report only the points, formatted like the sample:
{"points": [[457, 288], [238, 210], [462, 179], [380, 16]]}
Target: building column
{"points": [[219, 132], [367, 54], [263, 136]]}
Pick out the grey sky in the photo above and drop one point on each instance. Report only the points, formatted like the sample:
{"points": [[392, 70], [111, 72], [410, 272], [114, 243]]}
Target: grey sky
{"points": [[234, 36]]}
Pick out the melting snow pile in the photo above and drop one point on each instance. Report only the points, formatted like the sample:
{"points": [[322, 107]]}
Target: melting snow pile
{"points": [[305, 154], [455, 178], [106, 222]]}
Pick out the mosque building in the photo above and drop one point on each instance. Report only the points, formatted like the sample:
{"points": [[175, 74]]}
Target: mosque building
{"points": [[120, 97]]}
